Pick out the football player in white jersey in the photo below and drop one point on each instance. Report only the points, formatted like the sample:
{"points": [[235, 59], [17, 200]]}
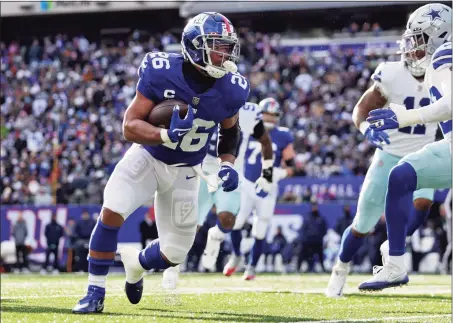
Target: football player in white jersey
{"points": [[255, 200], [227, 203], [401, 83], [426, 43]]}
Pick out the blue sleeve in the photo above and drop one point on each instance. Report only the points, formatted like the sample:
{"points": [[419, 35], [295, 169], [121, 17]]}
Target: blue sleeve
{"points": [[289, 138], [239, 93], [442, 57], [148, 82]]}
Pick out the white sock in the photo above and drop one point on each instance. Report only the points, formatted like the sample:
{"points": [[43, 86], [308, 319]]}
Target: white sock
{"points": [[342, 265], [398, 261], [96, 280]]}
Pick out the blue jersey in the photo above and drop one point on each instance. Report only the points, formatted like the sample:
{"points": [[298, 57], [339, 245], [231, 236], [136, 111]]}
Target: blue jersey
{"points": [[281, 138], [161, 77]]}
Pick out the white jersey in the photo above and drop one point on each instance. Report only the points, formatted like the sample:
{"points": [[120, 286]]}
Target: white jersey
{"points": [[249, 116], [398, 85], [438, 80]]}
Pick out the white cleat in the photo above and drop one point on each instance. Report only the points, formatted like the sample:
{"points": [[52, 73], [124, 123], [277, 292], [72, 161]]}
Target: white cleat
{"points": [[211, 252], [170, 278], [232, 265], [389, 275], [385, 252], [337, 281], [132, 267]]}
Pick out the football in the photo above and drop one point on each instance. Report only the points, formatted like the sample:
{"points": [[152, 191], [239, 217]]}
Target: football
{"points": [[160, 115]]}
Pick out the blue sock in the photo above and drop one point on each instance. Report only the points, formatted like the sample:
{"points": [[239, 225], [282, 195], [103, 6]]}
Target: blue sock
{"points": [[349, 245], [401, 187], [256, 252], [236, 238], [417, 218], [219, 225], [151, 258], [104, 238]]}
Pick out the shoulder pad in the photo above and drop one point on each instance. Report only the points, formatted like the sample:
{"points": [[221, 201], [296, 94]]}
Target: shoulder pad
{"points": [[238, 88], [154, 70], [442, 57]]}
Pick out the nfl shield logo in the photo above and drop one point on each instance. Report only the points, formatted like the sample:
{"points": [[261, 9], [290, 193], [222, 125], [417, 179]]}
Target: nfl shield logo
{"points": [[195, 100]]}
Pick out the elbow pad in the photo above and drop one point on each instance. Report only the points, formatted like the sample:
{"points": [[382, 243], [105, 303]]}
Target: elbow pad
{"points": [[229, 140]]}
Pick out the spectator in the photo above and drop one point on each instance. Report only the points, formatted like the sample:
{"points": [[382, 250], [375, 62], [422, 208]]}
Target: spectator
{"points": [[83, 230], [277, 246], [71, 238], [375, 239], [148, 228], [345, 221], [313, 231], [20, 233], [53, 233]]}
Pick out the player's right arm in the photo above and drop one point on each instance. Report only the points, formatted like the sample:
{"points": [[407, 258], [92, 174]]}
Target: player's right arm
{"points": [[135, 128], [374, 98]]}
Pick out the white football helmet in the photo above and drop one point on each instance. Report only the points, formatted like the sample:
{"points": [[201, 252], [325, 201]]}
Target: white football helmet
{"points": [[271, 112], [428, 27]]}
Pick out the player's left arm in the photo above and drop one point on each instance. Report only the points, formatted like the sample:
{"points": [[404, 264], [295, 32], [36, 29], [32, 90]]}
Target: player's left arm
{"points": [[229, 139]]}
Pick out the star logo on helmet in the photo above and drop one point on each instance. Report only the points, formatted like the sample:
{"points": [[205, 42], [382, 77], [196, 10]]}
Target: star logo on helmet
{"points": [[433, 14]]}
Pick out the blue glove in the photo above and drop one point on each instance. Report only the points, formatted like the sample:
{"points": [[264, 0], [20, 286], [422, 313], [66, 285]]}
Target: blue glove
{"points": [[180, 127], [229, 177], [376, 137], [383, 119]]}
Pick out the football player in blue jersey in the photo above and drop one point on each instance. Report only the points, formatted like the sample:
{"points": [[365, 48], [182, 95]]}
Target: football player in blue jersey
{"points": [[162, 162], [253, 199]]}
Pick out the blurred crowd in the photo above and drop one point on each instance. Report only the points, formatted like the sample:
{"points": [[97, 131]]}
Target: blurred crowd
{"points": [[63, 100]]}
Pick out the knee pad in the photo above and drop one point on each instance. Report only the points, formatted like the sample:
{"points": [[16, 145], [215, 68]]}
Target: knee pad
{"points": [[104, 238]]}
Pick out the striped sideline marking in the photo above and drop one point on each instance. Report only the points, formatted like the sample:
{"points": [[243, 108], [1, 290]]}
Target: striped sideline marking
{"points": [[396, 318]]}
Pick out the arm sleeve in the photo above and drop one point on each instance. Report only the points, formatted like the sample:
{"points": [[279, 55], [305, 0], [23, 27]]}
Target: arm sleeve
{"points": [[147, 83]]}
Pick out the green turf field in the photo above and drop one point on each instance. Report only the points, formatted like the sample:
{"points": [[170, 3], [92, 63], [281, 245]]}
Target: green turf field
{"points": [[214, 298]]}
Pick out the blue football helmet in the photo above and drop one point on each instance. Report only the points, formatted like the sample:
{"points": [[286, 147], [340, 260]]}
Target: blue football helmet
{"points": [[211, 35], [271, 112]]}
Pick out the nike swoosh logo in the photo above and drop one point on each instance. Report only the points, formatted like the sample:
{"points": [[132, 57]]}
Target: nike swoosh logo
{"points": [[189, 177]]}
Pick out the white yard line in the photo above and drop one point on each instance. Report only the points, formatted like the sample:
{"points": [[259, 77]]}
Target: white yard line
{"points": [[221, 290], [396, 318]]}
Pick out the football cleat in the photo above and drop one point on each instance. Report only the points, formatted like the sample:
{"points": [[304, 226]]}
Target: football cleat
{"points": [[249, 273], [93, 302], [337, 281], [170, 278], [385, 252], [389, 275], [231, 266], [134, 274]]}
